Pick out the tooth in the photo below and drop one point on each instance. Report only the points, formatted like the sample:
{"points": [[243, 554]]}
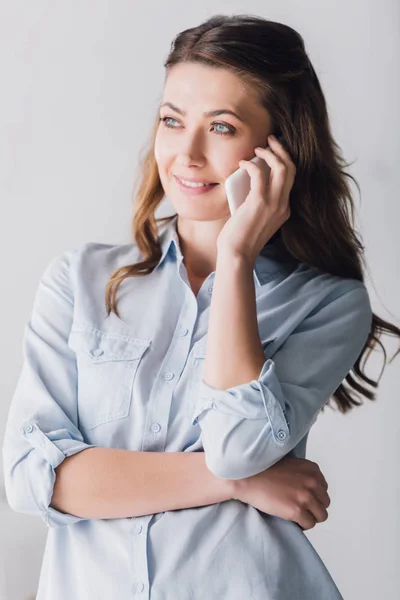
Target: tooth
{"points": [[192, 184]]}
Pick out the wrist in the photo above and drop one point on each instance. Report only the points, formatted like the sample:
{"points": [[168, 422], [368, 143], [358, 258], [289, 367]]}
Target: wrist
{"points": [[233, 260], [235, 488]]}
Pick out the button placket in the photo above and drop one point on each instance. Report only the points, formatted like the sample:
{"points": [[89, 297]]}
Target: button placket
{"points": [[139, 558]]}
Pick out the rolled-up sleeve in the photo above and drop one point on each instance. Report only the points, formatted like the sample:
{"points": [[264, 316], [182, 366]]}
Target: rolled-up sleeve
{"points": [[41, 429], [248, 428]]}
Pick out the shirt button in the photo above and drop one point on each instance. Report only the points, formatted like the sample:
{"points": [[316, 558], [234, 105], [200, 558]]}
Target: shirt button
{"points": [[281, 434], [29, 429], [210, 289], [168, 376], [97, 352], [183, 331], [156, 427], [139, 529], [140, 587]]}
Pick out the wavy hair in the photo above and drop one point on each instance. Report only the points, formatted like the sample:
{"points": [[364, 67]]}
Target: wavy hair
{"points": [[270, 58]]}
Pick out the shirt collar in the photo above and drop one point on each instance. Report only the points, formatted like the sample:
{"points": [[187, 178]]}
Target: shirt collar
{"points": [[266, 266]]}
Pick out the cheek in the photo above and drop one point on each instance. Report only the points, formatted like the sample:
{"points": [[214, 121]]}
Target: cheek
{"points": [[160, 153], [160, 149], [156, 149], [162, 156], [226, 162], [230, 166]]}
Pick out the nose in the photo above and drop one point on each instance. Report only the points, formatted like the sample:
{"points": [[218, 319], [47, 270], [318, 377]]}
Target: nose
{"points": [[191, 151], [187, 160]]}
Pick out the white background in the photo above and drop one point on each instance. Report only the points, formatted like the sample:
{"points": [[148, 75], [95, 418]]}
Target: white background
{"points": [[80, 86]]}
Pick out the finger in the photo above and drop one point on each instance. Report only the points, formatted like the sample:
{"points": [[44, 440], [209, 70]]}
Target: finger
{"points": [[278, 175], [280, 150], [319, 487], [285, 157], [323, 496], [258, 182], [317, 509], [306, 520], [324, 482], [320, 477]]}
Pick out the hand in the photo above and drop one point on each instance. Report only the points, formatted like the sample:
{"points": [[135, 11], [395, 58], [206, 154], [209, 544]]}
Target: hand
{"points": [[293, 489], [266, 207]]}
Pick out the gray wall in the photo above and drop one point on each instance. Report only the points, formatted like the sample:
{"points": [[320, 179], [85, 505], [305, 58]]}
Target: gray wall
{"points": [[80, 84]]}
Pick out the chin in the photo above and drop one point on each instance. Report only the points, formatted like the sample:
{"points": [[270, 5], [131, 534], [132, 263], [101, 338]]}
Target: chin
{"points": [[198, 212]]}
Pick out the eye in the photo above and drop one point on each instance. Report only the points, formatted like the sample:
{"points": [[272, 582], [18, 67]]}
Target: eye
{"points": [[230, 130]]}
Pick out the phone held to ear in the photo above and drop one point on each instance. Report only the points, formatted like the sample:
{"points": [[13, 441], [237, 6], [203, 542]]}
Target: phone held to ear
{"points": [[237, 185]]}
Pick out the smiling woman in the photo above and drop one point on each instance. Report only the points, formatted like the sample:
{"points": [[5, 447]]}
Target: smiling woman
{"points": [[163, 440], [201, 135], [192, 146]]}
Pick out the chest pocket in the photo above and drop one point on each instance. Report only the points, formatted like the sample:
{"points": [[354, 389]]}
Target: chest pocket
{"points": [[107, 365]]}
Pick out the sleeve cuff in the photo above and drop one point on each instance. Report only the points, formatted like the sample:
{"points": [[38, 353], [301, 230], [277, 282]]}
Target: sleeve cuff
{"points": [[261, 398], [50, 451]]}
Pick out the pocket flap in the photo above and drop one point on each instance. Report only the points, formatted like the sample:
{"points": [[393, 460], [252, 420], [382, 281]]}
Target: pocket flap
{"points": [[102, 346]]}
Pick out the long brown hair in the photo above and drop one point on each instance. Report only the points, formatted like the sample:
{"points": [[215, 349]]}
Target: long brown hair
{"points": [[270, 58]]}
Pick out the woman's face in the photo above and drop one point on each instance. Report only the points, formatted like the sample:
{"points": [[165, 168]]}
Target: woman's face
{"points": [[192, 145]]}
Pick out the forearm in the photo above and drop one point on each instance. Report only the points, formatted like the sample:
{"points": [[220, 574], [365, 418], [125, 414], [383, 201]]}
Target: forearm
{"points": [[109, 483], [234, 353]]}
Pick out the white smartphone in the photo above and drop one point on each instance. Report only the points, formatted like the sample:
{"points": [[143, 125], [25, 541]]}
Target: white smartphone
{"points": [[237, 185]]}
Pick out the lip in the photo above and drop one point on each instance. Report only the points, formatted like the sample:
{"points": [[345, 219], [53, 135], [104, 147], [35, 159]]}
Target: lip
{"points": [[194, 179], [196, 191]]}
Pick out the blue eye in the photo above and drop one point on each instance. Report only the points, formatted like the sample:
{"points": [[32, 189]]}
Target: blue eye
{"points": [[231, 130]]}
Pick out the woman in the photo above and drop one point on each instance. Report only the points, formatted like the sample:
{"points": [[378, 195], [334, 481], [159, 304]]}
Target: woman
{"points": [[163, 441]]}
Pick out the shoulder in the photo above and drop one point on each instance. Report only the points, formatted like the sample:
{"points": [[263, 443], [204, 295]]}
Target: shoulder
{"points": [[335, 304], [88, 263], [301, 291], [327, 288], [308, 280], [98, 257], [106, 255]]}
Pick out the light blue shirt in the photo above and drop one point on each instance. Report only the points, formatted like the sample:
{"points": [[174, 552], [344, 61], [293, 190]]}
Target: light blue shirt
{"points": [[135, 382]]}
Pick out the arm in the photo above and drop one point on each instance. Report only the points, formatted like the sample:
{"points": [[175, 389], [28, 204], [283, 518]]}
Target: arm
{"points": [[49, 470], [234, 351], [41, 429], [108, 483], [248, 427]]}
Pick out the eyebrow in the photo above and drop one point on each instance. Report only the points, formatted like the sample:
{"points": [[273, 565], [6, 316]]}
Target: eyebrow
{"points": [[211, 113]]}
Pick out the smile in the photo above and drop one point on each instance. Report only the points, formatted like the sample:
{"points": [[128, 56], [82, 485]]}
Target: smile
{"points": [[194, 189]]}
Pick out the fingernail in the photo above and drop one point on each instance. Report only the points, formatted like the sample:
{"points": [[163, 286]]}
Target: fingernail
{"points": [[271, 137]]}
